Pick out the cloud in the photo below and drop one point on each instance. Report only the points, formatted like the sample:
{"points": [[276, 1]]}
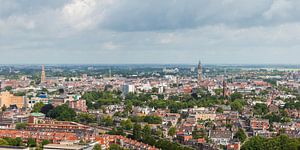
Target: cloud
{"points": [[110, 46], [172, 14], [169, 38], [79, 13], [16, 22], [156, 30]]}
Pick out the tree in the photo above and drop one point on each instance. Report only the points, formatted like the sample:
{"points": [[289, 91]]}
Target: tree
{"points": [[45, 142], [255, 142], [154, 90], [18, 141], [146, 131], [137, 131], [236, 95], [8, 88], [46, 108], [44, 90], [115, 147], [3, 142], [14, 142], [97, 147], [260, 109], [236, 106], [282, 142], [127, 125], [37, 107], [241, 135], [20, 94], [159, 132], [62, 113], [219, 110], [172, 131], [107, 121], [153, 119], [20, 126], [31, 142], [199, 133], [61, 91], [128, 106], [3, 108], [86, 118]]}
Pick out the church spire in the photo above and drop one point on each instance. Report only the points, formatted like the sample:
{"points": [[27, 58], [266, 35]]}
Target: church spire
{"points": [[200, 78], [43, 75]]}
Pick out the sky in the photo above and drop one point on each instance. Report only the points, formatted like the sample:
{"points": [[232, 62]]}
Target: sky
{"points": [[149, 31]]}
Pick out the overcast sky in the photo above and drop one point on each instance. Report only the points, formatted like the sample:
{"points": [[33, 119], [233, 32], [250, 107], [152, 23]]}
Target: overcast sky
{"points": [[149, 31]]}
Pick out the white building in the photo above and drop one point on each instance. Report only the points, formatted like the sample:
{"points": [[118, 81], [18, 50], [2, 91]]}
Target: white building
{"points": [[128, 88]]}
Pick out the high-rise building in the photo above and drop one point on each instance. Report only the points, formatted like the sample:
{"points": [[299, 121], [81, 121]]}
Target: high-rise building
{"points": [[128, 88], [43, 76], [200, 77]]}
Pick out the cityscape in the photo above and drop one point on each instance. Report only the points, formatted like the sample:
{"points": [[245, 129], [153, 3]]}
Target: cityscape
{"points": [[149, 75], [149, 106]]}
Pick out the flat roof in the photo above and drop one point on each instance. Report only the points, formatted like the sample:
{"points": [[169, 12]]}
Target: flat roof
{"points": [[64, 146]]}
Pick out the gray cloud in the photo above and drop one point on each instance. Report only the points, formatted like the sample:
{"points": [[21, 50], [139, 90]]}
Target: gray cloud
{"points": [[156, 31]]}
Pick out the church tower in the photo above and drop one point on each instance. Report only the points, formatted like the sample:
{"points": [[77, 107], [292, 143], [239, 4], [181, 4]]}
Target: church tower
{"points": [[43, 76], [200, 77]]}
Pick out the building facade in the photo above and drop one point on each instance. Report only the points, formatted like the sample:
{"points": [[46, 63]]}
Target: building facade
{"points": [[7, 99]]}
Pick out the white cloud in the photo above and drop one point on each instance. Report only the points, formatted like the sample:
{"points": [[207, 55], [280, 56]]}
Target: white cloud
{"points": [[169, 38], [110, 46], [79, 13], [16, 22], [83, 14], [279, 9]]}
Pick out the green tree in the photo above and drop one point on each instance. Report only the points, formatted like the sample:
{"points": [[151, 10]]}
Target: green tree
{"points": [[45, 142], [236, 106], [254, 143], [3, 108], [146, 131], [260, 109], [20, 126], [20, 94], [219, 110], [241, 135], [137, 131], [236, 95], [31, 142], [115, 147], [62, 113], [153, 119], [86, 118], [38, 106], [159, 132], [3, 142], [172, 131], [8, 88], [127, 125], [107, 121], [97, 147], [18, 141], [282, 142], [46, 108]]}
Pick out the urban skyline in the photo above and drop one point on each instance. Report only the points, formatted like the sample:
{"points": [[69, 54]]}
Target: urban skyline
{"points": [[150, 75]]}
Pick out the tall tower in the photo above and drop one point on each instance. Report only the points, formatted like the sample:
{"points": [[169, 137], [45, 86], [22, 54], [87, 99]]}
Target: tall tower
{"points": [[200, 78], [43, 76], [224, 88]]}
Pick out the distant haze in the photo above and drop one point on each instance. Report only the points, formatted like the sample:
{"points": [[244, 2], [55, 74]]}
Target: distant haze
{"points": [[149, 31]]}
